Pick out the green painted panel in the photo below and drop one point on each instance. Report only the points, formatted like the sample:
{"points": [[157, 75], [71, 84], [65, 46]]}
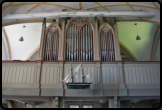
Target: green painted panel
{"points": [[79, 87], [127, 33]]}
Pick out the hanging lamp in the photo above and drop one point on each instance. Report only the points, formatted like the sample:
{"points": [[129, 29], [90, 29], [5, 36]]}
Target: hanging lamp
{"points": [[21, 38], [138, 37]]}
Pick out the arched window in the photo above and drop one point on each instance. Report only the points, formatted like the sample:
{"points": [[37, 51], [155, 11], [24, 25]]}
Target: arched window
{"points": [[107, 44], [79, 41], [51, 44]]}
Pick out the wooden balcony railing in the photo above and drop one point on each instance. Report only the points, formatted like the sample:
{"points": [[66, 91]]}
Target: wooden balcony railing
{"points": [[19, 74]]}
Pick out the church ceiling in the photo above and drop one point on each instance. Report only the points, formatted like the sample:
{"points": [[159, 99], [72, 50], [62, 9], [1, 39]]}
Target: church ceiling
{"points": [[49, 7]]}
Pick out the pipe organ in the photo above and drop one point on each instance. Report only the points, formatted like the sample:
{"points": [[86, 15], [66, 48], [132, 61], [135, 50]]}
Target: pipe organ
{"points": [[51, 44], [110, 45], [79, 41], [103, 47], [48, 47], [79, 46], [86, 44], [72, 44], [107, 43], [55, 47]]}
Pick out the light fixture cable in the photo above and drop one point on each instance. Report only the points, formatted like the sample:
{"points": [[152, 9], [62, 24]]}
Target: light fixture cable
{"points": [[21, 38]]}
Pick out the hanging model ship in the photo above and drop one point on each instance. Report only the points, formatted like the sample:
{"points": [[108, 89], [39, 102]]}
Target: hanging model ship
{"points": [[79, 85]]}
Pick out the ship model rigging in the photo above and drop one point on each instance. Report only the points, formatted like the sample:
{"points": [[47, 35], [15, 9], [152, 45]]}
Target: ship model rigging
{"points": [[77, 85]]}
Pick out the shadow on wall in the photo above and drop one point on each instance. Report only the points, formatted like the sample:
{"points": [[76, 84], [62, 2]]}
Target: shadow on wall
{"points": [[139, 104]]}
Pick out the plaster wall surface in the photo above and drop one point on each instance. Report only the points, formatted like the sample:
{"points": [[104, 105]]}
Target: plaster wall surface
{"points": [[3, 52]]}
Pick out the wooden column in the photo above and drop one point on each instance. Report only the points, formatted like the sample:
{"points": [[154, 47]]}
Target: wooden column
{"points": [[111, 102], [42, 42], [55, 102], [115, 102], [62, 46], [121, 75], [10, 104], [116, 44], [38, 74], [96, 43]]}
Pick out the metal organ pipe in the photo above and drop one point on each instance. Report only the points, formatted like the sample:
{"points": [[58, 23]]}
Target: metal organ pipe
{"points": [[67, 47], [70, 44], [77, 43], [48, 44], [88, 44], [81, 37], [57, 42], [54, 47], [105, 55], [109, 46], [102, 45], [91, 44], [85, 43], [46, 48], [53, 52], [111, 51]]}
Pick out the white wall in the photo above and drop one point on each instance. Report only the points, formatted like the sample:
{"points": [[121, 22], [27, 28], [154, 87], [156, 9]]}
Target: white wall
{"points": [[31, 35], [3, 52]]}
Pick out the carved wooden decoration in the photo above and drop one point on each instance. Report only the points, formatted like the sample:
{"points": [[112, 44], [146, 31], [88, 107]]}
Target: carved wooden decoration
{"points": [[79, 21], [105, 28], [53, 28]]}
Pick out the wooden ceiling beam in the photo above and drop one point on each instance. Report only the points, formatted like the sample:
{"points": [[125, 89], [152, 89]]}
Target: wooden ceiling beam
{"points": [[121, 5], [29, 10], [43, 3], [59, 5], [80, 14], [156, 6], [102, 6], [33, 8], [131, 8], [80, 5], [19, 4], [4, 7]]}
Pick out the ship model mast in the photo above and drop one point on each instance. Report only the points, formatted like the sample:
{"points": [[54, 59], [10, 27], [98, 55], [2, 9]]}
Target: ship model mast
{"points": [[79, 84]]}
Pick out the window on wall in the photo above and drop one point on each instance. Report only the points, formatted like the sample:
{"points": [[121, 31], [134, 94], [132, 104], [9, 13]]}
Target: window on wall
{"points": [[51, 44], [79, 45], [107, 45]]}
